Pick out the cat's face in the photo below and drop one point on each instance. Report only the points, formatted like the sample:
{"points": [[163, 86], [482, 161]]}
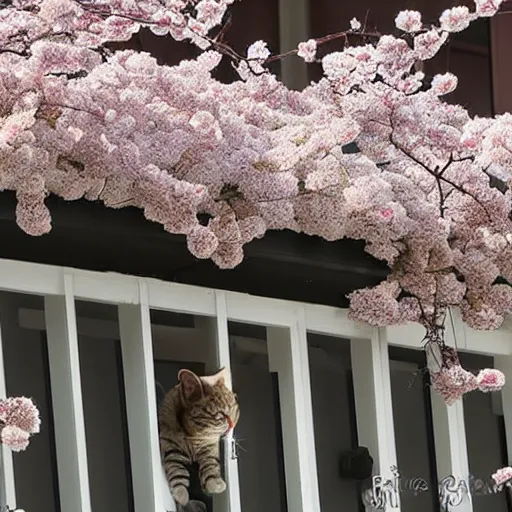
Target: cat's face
{"points": [[210, 408]]}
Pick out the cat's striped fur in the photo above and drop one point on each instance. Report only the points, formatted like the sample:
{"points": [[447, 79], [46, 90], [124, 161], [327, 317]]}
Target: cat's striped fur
{"points": [[193, 417]]}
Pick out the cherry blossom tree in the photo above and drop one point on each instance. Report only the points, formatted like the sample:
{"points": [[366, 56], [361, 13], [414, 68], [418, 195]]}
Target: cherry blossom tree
{"points": [[428, 190]]}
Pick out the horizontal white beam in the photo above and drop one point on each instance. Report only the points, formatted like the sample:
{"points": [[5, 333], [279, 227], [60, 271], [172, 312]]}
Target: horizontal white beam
{"points": [[458, 334], [106, 287], [335, 322], [259, 310], [23, 277], [181, 298]]}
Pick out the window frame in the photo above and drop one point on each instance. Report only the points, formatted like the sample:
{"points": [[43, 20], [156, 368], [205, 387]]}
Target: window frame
{"points": [[288, 324]]}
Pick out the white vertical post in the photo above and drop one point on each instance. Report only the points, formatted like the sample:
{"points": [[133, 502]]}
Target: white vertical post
{"points": [[451, 449], [141, 409], [504, 364], [374, 409], [67, 399], [288, 356], [293, 29], [450, 435], [216, 331], [7, 484]]}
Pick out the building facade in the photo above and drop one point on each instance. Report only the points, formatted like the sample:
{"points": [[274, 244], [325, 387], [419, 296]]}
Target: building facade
{"points": [[97, 317]]}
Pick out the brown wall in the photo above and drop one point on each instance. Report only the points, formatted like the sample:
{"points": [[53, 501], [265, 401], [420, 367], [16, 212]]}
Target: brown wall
{"points": [[480, 56], [501, 50], [467, 55], [251, 20]]}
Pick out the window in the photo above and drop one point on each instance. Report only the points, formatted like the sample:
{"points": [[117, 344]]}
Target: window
{"points": [[97, 352], [261, 386], [335, 423], [485, 437], [414, 434]]}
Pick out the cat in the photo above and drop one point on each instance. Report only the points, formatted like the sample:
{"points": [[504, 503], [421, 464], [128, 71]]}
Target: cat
{"points": [[192, 418]]}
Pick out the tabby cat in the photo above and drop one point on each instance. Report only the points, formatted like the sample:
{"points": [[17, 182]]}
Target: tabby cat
{"points": [[193, 417]]}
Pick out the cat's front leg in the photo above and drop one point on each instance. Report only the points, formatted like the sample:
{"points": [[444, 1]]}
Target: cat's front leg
{"points": [[176, 464], [210, 471]]}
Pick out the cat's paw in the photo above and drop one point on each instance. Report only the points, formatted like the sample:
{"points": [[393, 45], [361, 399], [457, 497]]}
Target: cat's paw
{"points": [[215, 486], [180, 495]]}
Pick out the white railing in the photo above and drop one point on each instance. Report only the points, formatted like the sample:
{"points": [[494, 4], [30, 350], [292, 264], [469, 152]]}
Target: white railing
{"points": [[287, 326]]}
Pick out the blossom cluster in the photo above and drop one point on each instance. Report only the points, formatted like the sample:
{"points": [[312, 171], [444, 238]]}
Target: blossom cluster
{"points": [[502, 476], [94, 23], [451, 380], [223, 163], [19, 420]]}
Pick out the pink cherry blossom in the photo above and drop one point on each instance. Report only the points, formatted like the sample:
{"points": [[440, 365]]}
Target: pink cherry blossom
{"points": [[355, 24], [444, 84], [20, 412], [202, 242], [386, 213], [307, 50], [455, 19], [14, 438], [487, 8], [409, 21], [427, 44], [502, 476], [19, 419], [452, 383], [490, 380], [258, 51], [210, 12]]}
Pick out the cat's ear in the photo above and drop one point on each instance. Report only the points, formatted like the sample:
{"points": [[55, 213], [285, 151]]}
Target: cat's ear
{"points": [[191, 386], [221, 378]]}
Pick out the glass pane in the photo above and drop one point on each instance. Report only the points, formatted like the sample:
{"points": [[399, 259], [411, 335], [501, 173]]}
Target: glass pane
{"points": [[258, 434], [485, 438], [335, 425], [414, 432], [101, 372], [27, 374]]}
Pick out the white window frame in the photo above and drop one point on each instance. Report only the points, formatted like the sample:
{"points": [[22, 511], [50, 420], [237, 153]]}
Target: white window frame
{"points": [[287, 323]]}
